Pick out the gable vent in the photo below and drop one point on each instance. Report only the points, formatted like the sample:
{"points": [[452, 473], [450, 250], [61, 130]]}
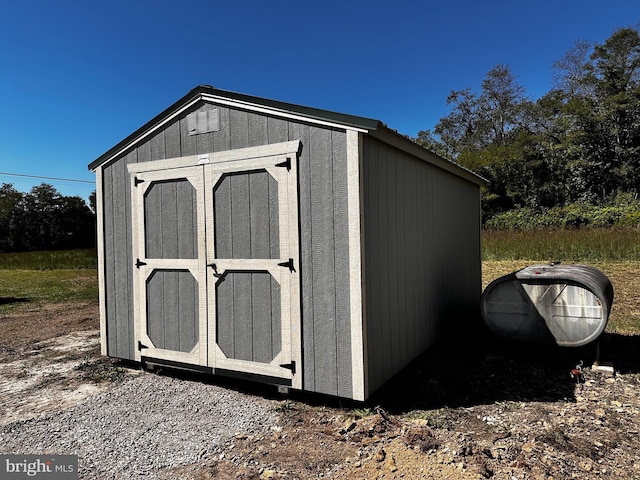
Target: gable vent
{"points": [[203, 122]]}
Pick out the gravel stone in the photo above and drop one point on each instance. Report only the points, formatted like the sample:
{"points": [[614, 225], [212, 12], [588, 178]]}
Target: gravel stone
{"points": [[149, 423]]}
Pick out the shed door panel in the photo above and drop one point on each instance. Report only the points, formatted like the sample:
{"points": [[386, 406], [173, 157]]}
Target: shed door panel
{"points": [[217, 255], [254, 260], [170, 268]]}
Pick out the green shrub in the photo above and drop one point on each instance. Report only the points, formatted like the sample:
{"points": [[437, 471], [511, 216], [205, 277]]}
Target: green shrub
{"points": [[621, 211]]}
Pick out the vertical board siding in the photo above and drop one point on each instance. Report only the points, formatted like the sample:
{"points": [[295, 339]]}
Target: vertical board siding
{"points": [[323, 225], [170, 220], [246, 216], [172, 306], [119, 259], [422, 256], [322, 261], [343, 364], [248, 329]]}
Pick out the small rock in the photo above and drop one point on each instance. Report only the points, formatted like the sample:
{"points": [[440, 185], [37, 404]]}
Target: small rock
{"points": [[268, 475], [380, 455], [390, 464], [528, 447], [348, 426]]}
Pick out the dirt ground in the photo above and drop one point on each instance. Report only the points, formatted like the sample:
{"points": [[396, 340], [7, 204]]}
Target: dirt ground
{"points": [[470, 408]]}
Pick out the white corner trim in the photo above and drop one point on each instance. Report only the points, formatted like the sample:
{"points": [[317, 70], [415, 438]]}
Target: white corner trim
{"points": [[356, 274], [101, 265]]}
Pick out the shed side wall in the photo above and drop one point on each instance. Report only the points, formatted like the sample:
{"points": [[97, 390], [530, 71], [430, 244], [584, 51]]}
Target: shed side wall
{"points": [[422, 257], [324, 243]]}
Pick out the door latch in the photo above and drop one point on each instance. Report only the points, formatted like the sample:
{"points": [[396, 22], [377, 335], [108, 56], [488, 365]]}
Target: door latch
{"points": [[215, 270]]}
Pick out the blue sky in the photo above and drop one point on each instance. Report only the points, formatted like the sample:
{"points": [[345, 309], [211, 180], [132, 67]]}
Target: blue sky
{"points": [[76, 77]]}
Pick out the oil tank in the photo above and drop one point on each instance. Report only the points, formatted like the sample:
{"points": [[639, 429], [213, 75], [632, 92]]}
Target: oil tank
{"points": [[564, 304]]}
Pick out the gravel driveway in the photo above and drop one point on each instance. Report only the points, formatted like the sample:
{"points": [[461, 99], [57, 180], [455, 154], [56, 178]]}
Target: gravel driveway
{"points": [[148, 423]]}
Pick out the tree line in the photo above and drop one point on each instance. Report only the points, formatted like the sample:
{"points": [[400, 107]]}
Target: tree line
{"points": [[43, 219], [577, 144]]}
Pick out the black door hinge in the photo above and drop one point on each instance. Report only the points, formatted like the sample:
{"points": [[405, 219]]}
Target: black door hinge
{"points": [[137, 181], [288, 264], [141, 346], [286, 164], [290, 366], [139, 263]]}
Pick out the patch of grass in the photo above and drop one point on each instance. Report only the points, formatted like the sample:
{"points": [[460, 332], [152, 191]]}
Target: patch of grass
{"points": [[439, 419], [80, 259], [51, 286], [287, 406]]}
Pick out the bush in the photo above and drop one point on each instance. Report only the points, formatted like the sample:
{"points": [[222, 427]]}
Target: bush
{"points": [[621, 211]]}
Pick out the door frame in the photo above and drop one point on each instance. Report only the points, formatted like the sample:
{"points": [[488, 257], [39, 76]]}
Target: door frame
{"points": [[141, 181], [285, 153], [283, 169]]}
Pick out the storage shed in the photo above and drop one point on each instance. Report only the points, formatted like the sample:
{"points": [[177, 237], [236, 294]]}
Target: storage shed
{"points": [[310, 249]]}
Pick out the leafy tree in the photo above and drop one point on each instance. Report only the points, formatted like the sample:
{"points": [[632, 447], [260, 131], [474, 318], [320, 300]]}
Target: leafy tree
{"points": [[491, 133], [580, 142], [11, 205], [43, 219], [604, 111]]}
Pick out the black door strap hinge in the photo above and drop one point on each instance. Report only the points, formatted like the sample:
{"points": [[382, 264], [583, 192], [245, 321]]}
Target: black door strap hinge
{"points": [[288, 264], [290, 366], [141, 346], [139, 263], [286, 164], [137, 181]]}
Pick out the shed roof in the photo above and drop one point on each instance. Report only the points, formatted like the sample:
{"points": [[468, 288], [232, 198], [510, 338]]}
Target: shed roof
{"points": [[208, 93]]}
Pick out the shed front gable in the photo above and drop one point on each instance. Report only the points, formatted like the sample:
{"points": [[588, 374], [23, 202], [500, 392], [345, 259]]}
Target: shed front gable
{"points": [[200, 116]]}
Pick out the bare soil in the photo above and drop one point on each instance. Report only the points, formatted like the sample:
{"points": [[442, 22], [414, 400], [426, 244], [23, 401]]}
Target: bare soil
{"points": [[472, 407], [45, 352]]}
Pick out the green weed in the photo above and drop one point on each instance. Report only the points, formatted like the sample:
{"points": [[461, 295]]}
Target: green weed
{"points": [[101, 370], [362, 412]]}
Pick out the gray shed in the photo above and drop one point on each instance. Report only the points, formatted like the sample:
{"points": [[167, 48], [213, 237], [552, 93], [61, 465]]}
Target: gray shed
{"points": [[311, 249]]}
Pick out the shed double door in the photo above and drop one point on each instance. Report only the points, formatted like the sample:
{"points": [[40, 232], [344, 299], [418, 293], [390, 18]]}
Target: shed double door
{"points": [[216, 261]]}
